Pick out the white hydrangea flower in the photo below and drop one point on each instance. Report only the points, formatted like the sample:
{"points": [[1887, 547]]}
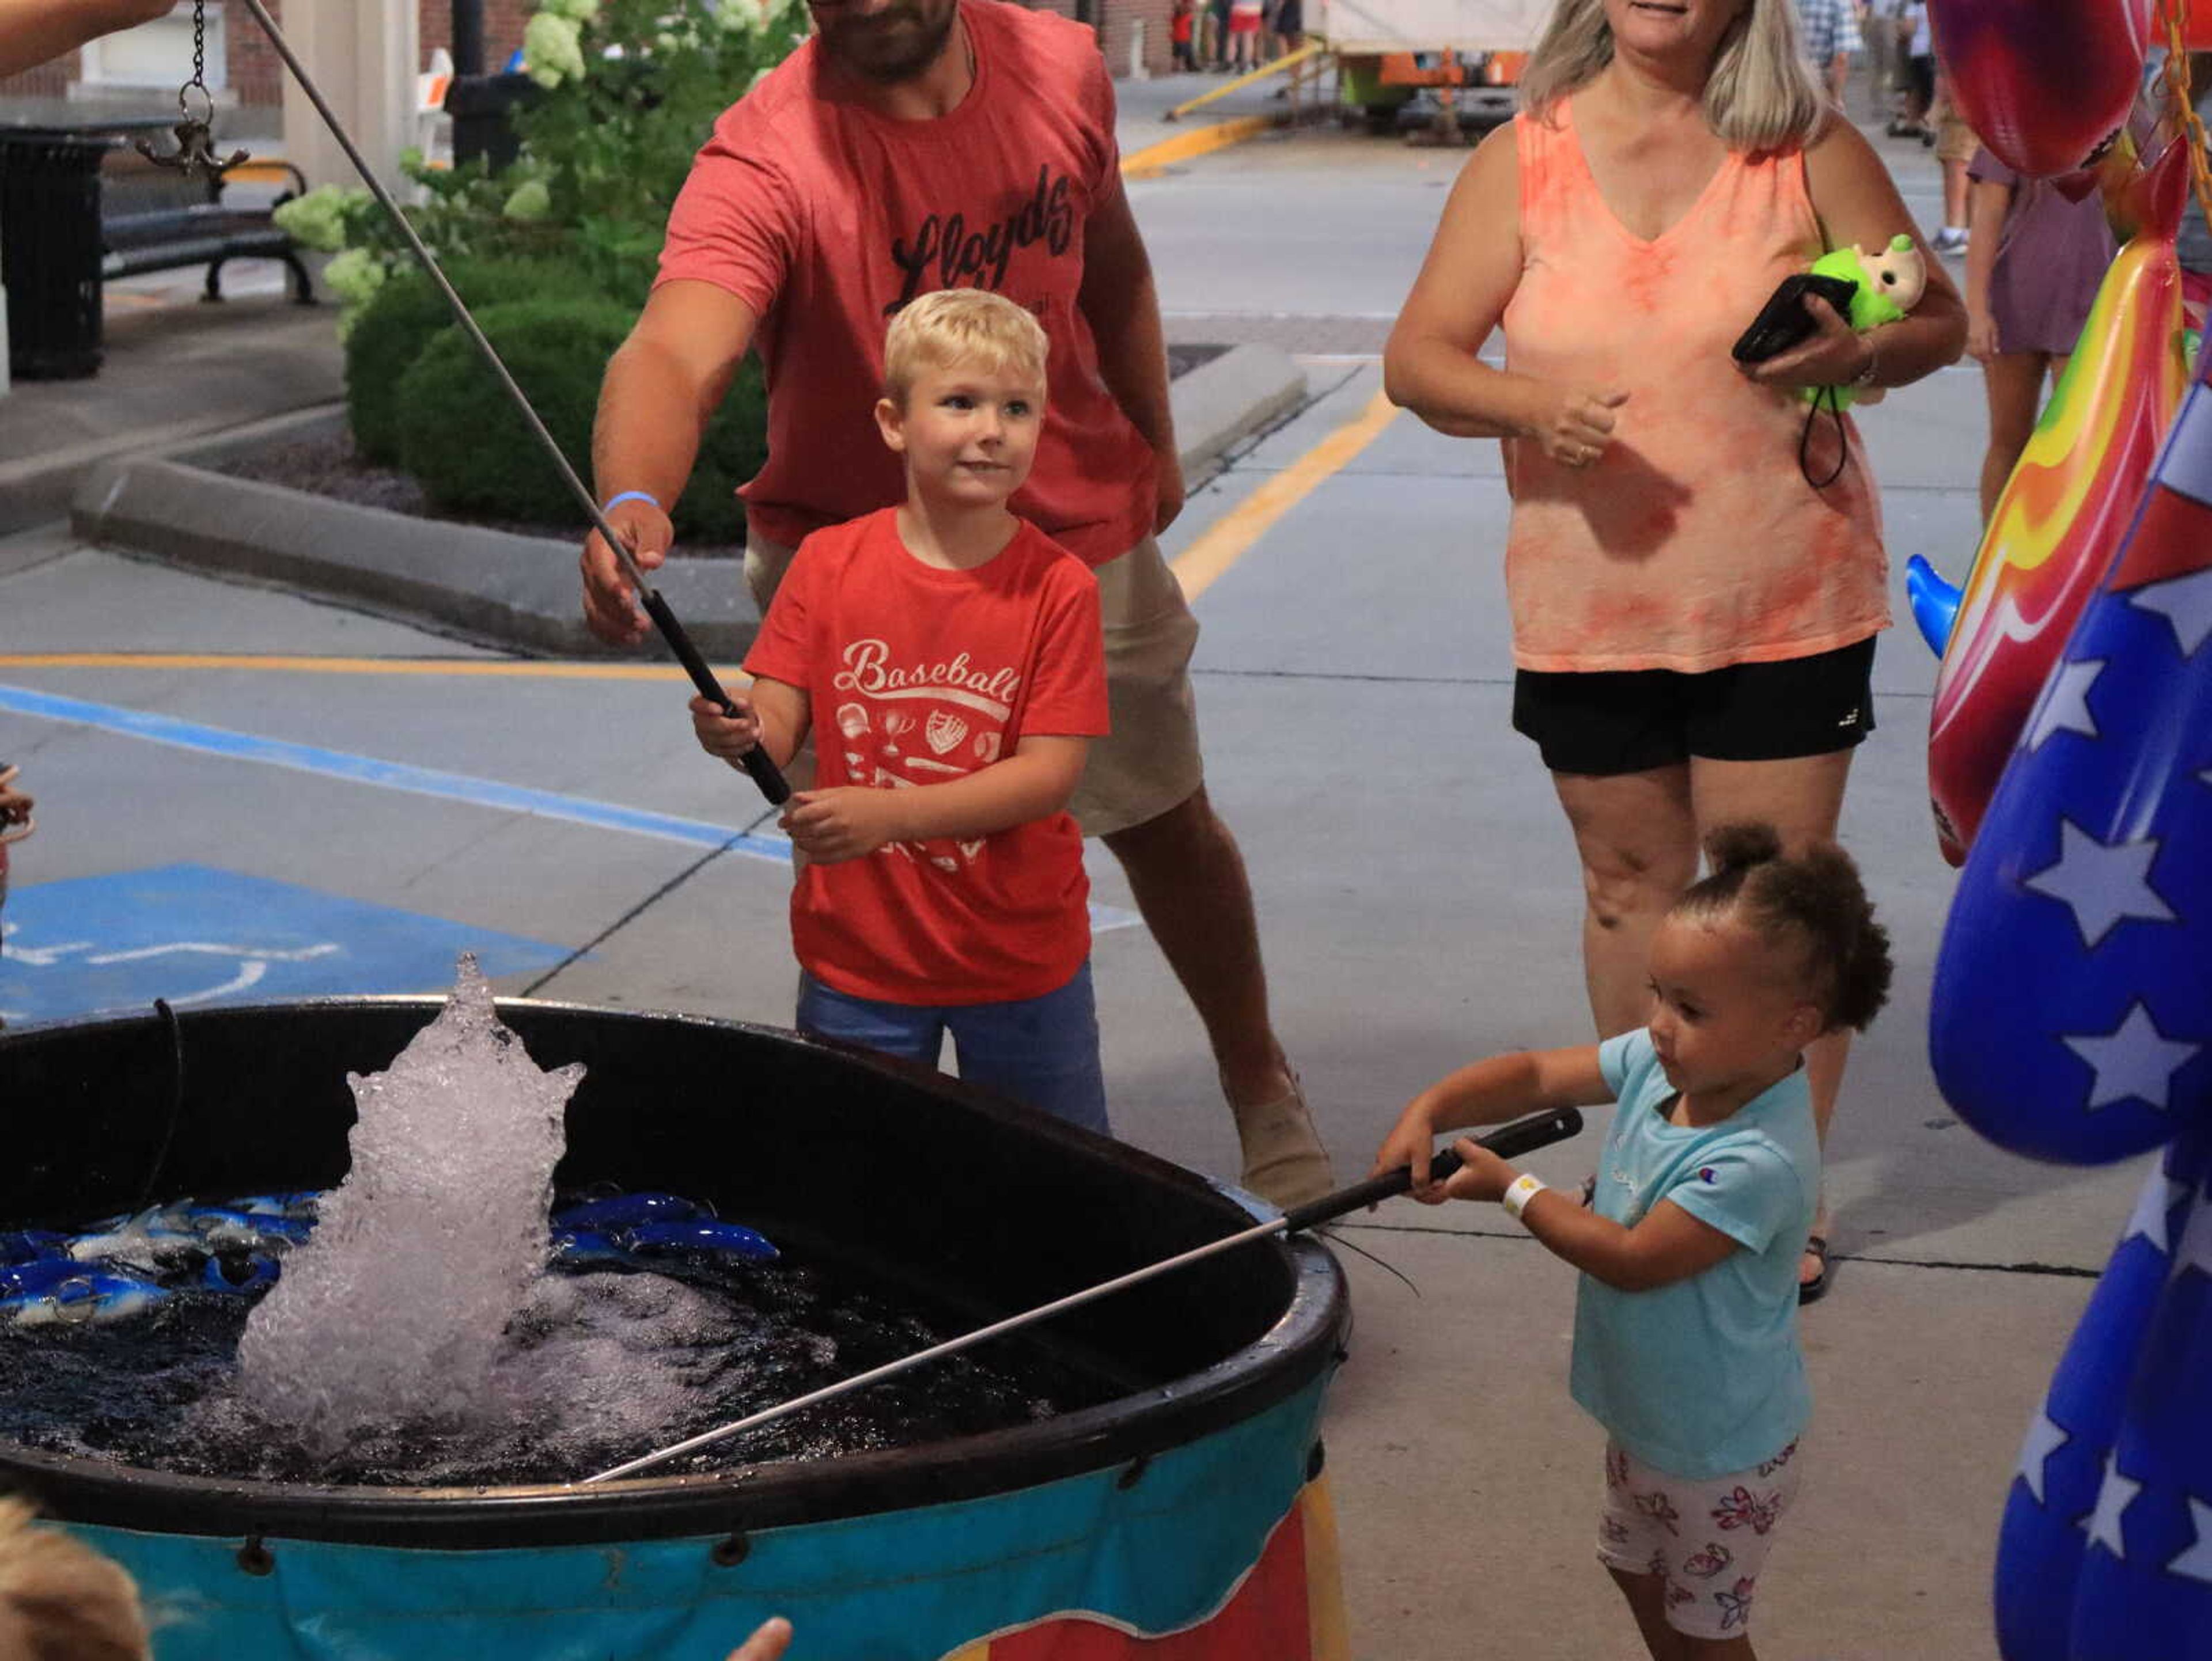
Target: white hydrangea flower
{"points": [[531, 201], [317, 219], [355, 277], [552, 49]]}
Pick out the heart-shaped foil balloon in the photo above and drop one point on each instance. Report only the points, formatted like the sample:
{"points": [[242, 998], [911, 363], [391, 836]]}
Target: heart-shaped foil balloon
{"points": [[2043, 82]]}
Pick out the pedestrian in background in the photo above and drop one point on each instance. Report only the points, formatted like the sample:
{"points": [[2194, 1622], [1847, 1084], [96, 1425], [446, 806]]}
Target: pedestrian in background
{"points": [[1878, 31], [1919, 36], [1955, 149], [1246, 20], [1830, 32], [1180, 28], [2034, 261]]}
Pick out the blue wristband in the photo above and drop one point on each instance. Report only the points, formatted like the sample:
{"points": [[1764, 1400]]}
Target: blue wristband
{"points": [[630, 496]]}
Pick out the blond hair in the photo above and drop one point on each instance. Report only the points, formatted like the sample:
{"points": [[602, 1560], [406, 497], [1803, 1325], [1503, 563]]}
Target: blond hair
{"points": [[1760, 94], [60, 1600], [960, 327]]}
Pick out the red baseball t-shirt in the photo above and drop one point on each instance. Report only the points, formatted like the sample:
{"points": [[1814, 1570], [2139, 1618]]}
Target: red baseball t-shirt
{"points": [[917, 675], [825, 218]]}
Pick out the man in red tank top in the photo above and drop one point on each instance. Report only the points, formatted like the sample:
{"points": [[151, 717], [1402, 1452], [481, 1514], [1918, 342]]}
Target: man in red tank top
{"points": [[914, 145]]}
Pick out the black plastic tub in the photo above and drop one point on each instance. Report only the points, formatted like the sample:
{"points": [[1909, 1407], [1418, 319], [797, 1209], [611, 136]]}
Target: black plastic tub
{"points": [[984, 1207]]}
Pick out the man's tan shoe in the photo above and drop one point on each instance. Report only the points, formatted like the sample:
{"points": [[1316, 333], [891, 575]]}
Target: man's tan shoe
{"points": [[1283, 1161]]}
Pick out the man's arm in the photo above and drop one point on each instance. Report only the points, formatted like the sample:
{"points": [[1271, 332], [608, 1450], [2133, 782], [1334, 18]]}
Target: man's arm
{"points": [[1122, 306], [32, 31], [662, 387]]}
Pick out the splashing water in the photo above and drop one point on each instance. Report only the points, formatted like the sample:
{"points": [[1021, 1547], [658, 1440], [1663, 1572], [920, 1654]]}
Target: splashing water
{"points": [[395, 1312]]}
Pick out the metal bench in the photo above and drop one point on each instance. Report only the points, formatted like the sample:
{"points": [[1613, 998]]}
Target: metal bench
{"points": [[151, 219]]}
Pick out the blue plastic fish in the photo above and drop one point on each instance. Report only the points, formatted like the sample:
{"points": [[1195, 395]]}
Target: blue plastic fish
{"points": [[704, 1235], [29, 1245], [300, 1208], [141, 1242], [222, 1225], [620, 1211], [56, 1291]]}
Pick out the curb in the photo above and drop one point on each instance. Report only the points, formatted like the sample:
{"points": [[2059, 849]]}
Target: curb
{"points": [[494, 586], [1155, 159]]}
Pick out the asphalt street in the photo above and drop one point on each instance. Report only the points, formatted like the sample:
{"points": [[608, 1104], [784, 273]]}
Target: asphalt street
{"points": [[1418, 895]]}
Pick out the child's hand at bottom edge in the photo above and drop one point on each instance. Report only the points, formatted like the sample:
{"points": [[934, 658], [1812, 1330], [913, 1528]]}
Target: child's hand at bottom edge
{"points": [[844, 822]]}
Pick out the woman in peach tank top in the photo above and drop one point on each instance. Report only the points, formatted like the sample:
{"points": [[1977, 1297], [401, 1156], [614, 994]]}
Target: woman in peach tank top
{"points": [[1693, 617]]}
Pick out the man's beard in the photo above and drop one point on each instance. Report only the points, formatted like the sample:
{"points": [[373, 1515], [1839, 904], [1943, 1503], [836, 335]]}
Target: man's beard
{"points": [[892, 45]]}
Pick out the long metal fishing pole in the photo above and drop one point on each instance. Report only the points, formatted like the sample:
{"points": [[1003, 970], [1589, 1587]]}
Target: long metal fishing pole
{"points": [[1507, 1142], [762, 771]]}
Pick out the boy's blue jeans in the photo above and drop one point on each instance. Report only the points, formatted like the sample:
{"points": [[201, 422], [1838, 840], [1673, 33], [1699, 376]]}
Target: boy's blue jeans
{"points": [[1042, 1052]]}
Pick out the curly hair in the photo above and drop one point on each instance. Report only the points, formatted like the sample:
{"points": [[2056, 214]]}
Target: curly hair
{"points": [[1813, 902]]}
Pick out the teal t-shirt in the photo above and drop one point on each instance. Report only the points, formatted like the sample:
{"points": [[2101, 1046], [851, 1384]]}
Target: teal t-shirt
{"points": [[1703, 1376]]}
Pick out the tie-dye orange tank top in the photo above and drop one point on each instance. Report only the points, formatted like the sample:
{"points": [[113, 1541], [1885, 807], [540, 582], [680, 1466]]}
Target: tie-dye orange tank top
{"points": [[1695, 541]]}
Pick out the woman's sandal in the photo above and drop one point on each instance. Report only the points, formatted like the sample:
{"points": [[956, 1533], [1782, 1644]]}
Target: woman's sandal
{"points": [[1812, 1291]]}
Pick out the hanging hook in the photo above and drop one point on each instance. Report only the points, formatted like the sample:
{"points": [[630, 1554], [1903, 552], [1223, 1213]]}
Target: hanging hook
{"points": [[196, 157]]}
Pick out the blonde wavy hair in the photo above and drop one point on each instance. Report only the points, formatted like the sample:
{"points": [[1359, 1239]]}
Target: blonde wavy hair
{"points": [[60, 1600], [1760, 98]]}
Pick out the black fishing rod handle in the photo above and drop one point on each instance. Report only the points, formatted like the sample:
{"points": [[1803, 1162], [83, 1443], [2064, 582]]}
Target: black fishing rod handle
{"points": [[1522, 1136], [762, 771]]}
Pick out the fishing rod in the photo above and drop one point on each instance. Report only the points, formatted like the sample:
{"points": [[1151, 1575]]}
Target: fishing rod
{"points": [[1508, 1142], [763, 771]]}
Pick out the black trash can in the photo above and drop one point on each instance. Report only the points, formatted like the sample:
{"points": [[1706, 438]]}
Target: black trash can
{"points": [[49, 251], [482, 106]]}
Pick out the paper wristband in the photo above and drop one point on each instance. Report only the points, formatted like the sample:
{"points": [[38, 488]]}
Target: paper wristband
{"points": [[1524, 1188]]}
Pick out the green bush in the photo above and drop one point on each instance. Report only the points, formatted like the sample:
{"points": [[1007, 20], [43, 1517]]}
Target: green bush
{"points": [[464, 440], [389, 333]]}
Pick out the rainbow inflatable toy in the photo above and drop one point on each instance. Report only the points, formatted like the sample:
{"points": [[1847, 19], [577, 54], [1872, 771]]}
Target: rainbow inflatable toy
{"points": [[2072, 1021], [2061, 516]]}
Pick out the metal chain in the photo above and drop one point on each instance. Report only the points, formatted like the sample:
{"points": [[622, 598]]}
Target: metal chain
{"points": [[199, 44]]}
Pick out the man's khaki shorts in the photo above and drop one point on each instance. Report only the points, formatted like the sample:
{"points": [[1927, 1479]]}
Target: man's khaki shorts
{"points": [[1151, 762], [1954, 139]]}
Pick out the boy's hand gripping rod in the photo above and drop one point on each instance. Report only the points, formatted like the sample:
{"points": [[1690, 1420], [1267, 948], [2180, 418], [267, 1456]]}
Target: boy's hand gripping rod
{"points": [[763, 771], [1508, 1142]]}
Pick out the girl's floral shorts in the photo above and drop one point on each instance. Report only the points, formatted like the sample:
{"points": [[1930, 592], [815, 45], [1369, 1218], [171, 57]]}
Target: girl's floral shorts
{"points": [[1706, 1540]]}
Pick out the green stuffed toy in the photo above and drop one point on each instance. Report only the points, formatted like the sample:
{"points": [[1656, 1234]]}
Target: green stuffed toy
{"points": [[1890, 284]]}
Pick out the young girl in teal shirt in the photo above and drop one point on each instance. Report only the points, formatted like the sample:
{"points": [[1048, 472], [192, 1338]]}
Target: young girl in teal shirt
{"points": [[1686, 1320]]}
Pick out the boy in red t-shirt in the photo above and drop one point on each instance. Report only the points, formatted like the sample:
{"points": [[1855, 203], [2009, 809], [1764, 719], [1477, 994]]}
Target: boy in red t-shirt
{"points": [[948, 657]]}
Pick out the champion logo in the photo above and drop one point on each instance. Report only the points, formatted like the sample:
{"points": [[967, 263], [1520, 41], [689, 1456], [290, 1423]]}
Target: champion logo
{"points": [[1706, 1175]]}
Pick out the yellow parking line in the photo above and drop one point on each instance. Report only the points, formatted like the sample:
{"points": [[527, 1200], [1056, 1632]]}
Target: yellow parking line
{"points": [[1199, 141], [516, 669], [1226, 540]]}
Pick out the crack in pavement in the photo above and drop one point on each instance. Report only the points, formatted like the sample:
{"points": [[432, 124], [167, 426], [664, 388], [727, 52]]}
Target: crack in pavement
{"points": [[646, 904]]}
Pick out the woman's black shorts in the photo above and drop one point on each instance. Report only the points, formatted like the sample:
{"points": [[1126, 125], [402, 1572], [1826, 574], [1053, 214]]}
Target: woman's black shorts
{"points": [[1604, 721]]}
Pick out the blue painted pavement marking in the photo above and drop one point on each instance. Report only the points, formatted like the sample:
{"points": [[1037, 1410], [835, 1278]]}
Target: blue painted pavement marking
{"points": [[386, 775], [195, 935], [770, 845]]}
